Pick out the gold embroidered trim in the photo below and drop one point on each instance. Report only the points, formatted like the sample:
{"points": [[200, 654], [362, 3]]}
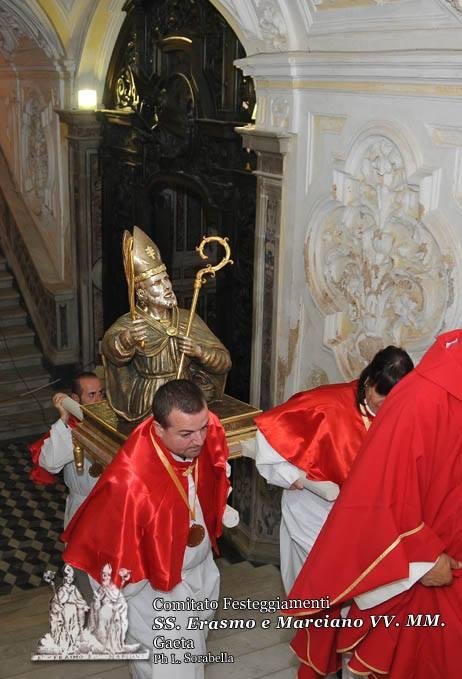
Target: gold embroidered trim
{"points": [[349, 648], [373, 669], [150, 272], [377, 561], [368, 569]]}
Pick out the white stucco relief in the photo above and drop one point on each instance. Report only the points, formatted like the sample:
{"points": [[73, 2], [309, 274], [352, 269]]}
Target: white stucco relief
{"points": [[271, 22], [37, 159], [10, 32], [376, 271], [456, 4], [280, 110]]}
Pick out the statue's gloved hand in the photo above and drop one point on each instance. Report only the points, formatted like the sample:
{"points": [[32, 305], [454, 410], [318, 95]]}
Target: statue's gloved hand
{"points": [[190, 347], [137, 333]]}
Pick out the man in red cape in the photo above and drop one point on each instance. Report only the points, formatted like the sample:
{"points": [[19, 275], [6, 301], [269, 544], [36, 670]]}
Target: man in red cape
{"points": [[308, 445], [170, 474], [392, 545]]}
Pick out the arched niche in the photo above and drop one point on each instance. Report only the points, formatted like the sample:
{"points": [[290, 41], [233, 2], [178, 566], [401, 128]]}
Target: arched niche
{"points": [[172, 100]]}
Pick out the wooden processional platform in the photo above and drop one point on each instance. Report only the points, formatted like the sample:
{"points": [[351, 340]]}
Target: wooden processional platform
{"points": [[101, 433]]}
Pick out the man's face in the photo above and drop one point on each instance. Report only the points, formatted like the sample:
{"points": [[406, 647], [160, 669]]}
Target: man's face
{"points": [[156, 291], [185, 433], [91, 390], [373, 399]]}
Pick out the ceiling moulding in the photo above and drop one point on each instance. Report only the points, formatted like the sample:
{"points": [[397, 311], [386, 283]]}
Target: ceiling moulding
{"points": [[383, 15], [33, 23], [268, 25], [292, 70], [380, 25]]}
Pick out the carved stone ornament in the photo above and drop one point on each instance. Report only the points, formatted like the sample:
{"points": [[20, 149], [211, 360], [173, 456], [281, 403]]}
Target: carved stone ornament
{"points": [[457, 4], [373, 266], [272, 24], [280, 110], [10, 32], [38, 176], [17, 21]]}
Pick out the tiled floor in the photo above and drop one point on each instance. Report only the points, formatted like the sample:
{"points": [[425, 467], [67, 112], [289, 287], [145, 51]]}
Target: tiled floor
{"points": [[31, 520], [30, 524], [258, 653]]}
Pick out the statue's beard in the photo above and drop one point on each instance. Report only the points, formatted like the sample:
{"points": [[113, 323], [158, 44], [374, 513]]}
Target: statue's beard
{"points": [[167, 302], [171, 302]]}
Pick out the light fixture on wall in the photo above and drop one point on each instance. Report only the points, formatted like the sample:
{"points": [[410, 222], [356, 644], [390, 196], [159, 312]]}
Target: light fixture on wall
{"points": [[86, 99]]}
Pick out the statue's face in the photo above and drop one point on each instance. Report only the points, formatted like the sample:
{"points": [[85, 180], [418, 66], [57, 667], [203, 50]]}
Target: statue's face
{"points": [[156, 292], [68, 576], [106, 574]]}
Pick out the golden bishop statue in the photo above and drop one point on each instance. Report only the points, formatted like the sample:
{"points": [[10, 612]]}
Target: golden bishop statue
{"points": [[142, 350]]}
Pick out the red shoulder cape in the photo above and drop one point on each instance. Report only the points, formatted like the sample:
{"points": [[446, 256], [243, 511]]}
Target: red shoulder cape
{"points": [[401, 503], [320, 431], [134, 517], [38, 474]]}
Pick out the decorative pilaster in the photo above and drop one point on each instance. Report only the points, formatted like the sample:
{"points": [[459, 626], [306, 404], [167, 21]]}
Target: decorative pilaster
{"points": [[257, 536], [83, 134], [270, 148]]}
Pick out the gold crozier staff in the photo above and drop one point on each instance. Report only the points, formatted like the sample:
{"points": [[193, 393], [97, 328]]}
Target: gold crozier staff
{"points": [[200, 279]]}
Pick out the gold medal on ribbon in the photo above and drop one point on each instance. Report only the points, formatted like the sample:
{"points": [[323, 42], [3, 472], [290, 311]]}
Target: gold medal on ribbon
{"points": [[196, 532], [196, 535]]}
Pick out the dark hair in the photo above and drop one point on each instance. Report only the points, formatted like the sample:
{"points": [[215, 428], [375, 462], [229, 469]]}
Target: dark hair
{"points": [[181, 394], [76, 387], [385, 370]]}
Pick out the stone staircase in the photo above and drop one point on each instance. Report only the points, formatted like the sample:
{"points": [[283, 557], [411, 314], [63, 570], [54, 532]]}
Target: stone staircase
{"points": [[21, 367]]}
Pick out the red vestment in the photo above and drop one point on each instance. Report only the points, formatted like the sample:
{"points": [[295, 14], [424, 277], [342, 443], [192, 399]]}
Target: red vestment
{"points": [[402, 503], [319, 431], [38, 474], [135, 518]]}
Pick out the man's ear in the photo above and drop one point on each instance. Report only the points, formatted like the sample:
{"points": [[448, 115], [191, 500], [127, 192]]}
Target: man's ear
{"points": [[158, 428], [75, 397]]}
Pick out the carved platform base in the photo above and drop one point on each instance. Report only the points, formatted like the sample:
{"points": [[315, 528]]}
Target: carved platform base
{"points": [[102, 432], [256, 537]]}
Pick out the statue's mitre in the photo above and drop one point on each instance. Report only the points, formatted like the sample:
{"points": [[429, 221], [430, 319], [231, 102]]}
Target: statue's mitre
{"points": [[146, 256]]}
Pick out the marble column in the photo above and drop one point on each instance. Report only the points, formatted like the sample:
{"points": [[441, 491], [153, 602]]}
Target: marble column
{"points": [[257, 536], [82, 130]]}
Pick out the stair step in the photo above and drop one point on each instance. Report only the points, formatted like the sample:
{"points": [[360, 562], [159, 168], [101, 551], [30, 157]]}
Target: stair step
{"points": [[12, 315], [11, 403], [7, 297], [6, 279], [21, 357], [16, 335], [21, 414], [32, 377], [35, 424]]}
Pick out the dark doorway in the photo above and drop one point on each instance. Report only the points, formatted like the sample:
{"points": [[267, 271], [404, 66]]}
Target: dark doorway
{"points": [[173, 164]]}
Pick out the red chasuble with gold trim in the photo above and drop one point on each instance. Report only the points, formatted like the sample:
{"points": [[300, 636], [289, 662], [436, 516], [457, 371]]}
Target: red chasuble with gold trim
{"points": [[402, 503], [319, 431], [135, 518]]}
